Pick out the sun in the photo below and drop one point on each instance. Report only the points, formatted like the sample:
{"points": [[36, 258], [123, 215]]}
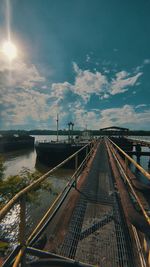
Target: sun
{"points": [[9, 50]]}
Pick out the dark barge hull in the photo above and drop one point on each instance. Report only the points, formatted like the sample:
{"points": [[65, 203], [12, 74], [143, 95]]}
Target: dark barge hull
{"points": [[123, 143], [51, 154], [11, 143]]}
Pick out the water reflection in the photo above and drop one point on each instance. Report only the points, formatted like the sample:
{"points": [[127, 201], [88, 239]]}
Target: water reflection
{"points": [[26, 158], [14, 162], [9, 226]]}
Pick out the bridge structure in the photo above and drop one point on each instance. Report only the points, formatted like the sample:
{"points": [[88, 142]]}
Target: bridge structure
{"points": [[100, 218], [120, 131], [114, 131]]}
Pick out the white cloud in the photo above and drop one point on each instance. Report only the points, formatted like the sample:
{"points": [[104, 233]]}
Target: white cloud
{"points": [[20, 75], [87, 83], [141, 106], [123, 116], [122, 82], [147, 61], [20, 105], [28, 98], [19, 96]]}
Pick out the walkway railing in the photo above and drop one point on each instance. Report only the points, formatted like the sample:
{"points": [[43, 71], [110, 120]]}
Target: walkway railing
{"points": [[140, 142], [20, 198], [114, 149]]}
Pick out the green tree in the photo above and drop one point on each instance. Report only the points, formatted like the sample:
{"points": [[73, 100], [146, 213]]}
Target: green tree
{"points": [[12, 184]]}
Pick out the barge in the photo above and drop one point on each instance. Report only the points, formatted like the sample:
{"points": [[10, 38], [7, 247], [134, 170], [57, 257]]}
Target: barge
{"points": [[15, 142], [52, 153]]}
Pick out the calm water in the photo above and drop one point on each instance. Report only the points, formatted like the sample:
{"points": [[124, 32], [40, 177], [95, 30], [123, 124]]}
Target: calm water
{"points": [[144, 160], [14, 163], [16, 160]]}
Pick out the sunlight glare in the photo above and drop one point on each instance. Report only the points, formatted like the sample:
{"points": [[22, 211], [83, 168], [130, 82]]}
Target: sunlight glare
{"points": [[9, 50]]}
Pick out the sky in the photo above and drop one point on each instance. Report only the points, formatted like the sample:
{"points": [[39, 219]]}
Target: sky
{"points": [[86, 60]]}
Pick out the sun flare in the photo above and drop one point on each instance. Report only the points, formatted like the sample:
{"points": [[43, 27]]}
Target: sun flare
{"points": [[9, 50]]}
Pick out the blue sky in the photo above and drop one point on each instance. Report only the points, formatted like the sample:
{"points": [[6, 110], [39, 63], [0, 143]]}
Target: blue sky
{"points": [[87, 60]]}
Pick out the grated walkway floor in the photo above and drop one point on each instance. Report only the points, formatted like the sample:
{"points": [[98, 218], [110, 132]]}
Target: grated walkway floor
{"points": [[97, 233]]}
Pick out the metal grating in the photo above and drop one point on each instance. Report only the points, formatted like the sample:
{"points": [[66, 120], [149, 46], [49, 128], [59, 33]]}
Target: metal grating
{"points": [[97, 214]]}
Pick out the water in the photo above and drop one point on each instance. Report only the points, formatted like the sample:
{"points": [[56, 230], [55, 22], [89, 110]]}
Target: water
{"points": [[16, 160], [144, 160], [14, 163]]}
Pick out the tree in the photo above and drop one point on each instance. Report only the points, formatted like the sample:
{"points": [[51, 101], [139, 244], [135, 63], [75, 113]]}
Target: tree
{"points": [[14, 183]]}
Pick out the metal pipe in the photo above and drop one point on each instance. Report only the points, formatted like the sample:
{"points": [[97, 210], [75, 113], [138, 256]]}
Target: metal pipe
{"points": [[57, 263], [19, 256], [24, 191], [143, 143], [139, 247], [37, 231], [132, 189], [45, 254], [9, 261], [132, 160]]}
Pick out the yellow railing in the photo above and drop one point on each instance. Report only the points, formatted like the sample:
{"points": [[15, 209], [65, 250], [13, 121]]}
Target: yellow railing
{"points": [[145, 173], [112, 147], [20, 198]]}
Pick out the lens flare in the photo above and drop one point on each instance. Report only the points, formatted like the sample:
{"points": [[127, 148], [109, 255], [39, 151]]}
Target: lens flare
{"points": [[9, 50]]}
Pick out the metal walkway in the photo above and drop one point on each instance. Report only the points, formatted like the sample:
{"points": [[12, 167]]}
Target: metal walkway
{"points": [[93, 221], [97, 234]]}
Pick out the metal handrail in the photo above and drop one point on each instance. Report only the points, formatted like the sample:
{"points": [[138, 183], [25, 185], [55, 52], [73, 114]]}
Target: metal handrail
{"points": [[58, 201], [132, 189], [32, 186], [145, 143], [20, 197], [145, 173]]}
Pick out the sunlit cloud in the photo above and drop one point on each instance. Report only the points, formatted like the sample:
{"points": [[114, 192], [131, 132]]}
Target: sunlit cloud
{"points": [[121, 116], [122, 82], [88, 83], [30, 100]]}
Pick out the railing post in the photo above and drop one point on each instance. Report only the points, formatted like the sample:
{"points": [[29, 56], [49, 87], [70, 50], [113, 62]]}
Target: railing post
{"points": [[22, 225]]}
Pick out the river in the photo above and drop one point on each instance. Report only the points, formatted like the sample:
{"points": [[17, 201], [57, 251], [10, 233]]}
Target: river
{"points": [[14, 163], [17, 160], [144, 160]]}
